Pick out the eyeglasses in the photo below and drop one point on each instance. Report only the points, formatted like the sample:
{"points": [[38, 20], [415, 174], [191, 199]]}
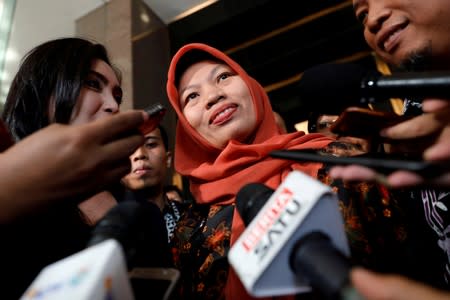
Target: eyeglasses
{"points": [[321, 125]]}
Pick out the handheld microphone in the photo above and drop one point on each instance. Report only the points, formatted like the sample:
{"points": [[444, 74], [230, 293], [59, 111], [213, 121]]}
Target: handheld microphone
{"points": [[330, 88], [131, 234], [293, 241], [98, 272], [140, 229]]}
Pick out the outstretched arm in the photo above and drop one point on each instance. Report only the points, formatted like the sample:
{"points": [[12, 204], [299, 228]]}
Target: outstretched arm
{"points": [[67, 161]]}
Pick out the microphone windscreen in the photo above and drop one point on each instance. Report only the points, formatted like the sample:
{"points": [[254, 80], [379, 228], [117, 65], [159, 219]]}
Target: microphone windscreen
{"points": [[250, 199], [330, 88], [118, 223], [140, 229]]}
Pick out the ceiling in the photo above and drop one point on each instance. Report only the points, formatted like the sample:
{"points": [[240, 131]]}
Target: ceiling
{"points": [[171, 10]]}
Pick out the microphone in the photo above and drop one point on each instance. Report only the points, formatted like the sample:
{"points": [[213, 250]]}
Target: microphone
{"points": [[294, 240], [98, 272], [140, 229], [330, 88], [130, 234]]}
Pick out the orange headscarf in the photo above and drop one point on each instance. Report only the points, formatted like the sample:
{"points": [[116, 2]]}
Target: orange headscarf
{"points": [[216, 175]]}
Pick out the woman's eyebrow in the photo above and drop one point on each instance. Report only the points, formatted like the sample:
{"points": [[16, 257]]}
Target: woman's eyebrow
{"points": [[100, 76], [105, 81], [214, 71], [210, 77], [187, 87]]}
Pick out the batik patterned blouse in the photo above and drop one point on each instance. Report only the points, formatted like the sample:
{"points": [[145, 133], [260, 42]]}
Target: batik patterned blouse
{"points": [[375, 220]]}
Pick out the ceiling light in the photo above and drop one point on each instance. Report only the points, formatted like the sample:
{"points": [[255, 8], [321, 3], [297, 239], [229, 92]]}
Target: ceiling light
{"points": [[145, 18]]}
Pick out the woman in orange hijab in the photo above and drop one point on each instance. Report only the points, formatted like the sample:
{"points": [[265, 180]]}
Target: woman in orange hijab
{"points": [[225, 132]]}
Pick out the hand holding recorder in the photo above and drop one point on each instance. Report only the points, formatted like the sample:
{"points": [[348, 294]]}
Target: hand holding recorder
{"points": [[89, 158], [434, 124], [427, 135]]}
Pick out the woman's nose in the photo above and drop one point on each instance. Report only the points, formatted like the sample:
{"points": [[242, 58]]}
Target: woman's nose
{"points": [[214, 96], [111, 106]]}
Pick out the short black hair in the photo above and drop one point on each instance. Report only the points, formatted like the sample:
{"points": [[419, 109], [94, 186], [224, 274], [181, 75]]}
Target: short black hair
{"points": [[172, 187]]}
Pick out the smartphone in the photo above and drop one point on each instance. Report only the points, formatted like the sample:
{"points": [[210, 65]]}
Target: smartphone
{"points": [[156, 112], [154, 283], [363, 122], [382, 163]]}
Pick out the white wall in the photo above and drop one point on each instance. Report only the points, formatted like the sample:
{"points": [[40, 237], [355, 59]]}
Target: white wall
{"points": [[36, 21]]}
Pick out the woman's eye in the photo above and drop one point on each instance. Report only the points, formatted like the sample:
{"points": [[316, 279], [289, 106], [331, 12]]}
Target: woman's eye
{"points": [[190, 97], [118, 95], [118, 99], [224, 76], [92, 83]]}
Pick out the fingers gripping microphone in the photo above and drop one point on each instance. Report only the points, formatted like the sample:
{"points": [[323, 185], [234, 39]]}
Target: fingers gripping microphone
{"points": [[330, 88], [299, 228]]}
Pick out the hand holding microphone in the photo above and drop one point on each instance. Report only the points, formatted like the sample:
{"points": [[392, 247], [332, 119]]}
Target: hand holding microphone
{"points": [[356, 86], [89, 158], [333, 87], [140, 229]]}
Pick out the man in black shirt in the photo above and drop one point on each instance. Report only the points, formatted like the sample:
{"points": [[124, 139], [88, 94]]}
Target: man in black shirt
{"points": [[145, 182]]}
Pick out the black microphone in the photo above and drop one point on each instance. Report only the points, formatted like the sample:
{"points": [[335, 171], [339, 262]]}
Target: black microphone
{"points": [[140, 229], [330, 88], [250, 199], [309, 250], [131, 236]]}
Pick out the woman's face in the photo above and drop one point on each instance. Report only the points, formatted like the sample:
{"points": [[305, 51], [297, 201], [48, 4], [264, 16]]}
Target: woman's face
{"points": [[100, 95], [217, 103]]}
